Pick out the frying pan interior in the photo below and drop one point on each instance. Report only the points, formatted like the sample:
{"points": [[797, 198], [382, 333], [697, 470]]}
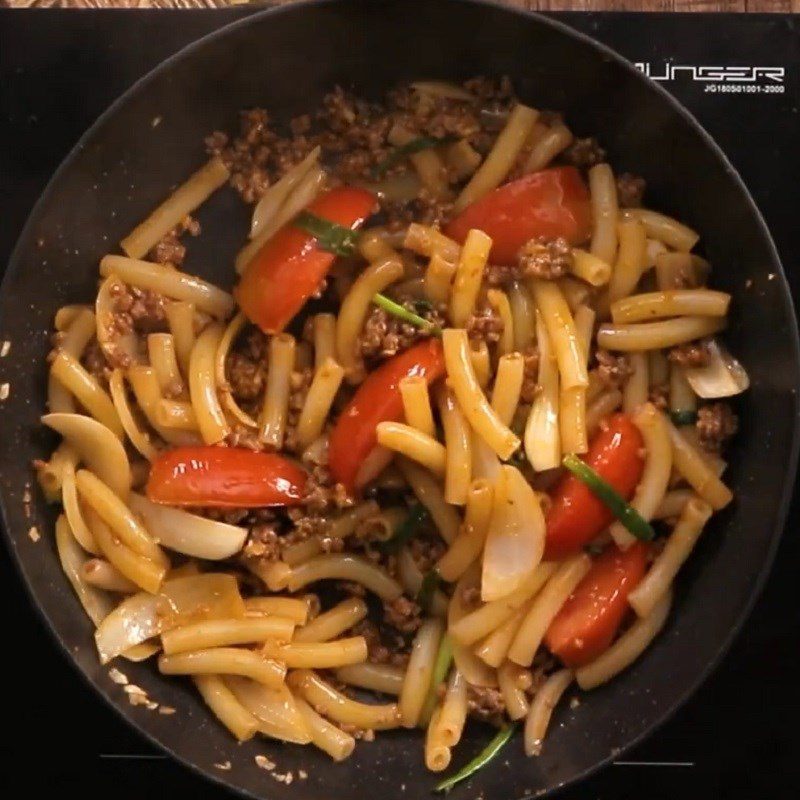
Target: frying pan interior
{"points": [[285, 61]]}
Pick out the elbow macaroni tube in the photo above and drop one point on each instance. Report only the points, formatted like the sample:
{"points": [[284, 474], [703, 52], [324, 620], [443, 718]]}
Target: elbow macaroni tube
{"points": [[202, 386], [697, 473], [627, 648], [657, 335], [664, 229], [657, 470], [327, 380], [275, 409], [468, 276], [508, 386], [603, 191], [185, 199], [417, 404], [471, 398], [332, 623], [544, 701], [458, 449], [545, 607], [670, 303], [681, 542], [419, 672], [413, 444], [429, 493], [227, 709], [466, 547], [501, 158]]}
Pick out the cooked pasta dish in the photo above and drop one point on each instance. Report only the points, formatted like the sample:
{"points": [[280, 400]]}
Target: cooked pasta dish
{"points": [[439, 454]]}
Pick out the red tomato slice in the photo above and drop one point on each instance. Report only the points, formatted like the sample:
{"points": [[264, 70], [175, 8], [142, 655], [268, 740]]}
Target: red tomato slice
{"points": [[224, 477], [587, 623], [551, 203], [290, 266], [576, 515], [378, 400]]}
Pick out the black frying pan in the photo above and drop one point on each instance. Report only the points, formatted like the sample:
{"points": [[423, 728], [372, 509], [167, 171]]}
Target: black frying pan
{"points": [[285, 60]]}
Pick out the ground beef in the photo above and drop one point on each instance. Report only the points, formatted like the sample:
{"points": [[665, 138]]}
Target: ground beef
{"points": [[94, 360], [377, 651], [243, 436], [384, 335], [300, 382], [584, 153], [471, 596], [245, 376], [486, 704], [530, 374], [322, 493], [248, 155], [426, 551], [659, 397], [263, 542], [613, 370], [693, 354], [402, 614], [545, 258], [630, 190], [485, 325], [139, 310], [170, 250], [716, 423]]}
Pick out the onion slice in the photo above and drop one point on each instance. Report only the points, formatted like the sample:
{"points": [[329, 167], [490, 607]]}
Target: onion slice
{"points": [[515, 543], [97, 447], [96, 603], [143, 616], [275, 709], [723, 376], [188, 533]]}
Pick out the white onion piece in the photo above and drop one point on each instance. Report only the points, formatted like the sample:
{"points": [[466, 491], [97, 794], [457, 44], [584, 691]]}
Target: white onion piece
{"points": [[515, 543], [267, 207], [723, 376], [111, 342], [96, 603], [188, 533], [97, 447], [275, 709], [143, 616]]}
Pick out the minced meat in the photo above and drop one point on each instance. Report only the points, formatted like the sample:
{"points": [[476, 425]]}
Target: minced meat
{"points": [[630, 190], [584, 153], [486, 703], [139, 310], [692, 354], [716, 423], [530, 374], [170, 250], [613, 370], [545, 258], [384, 335], [485, 325], [403, 614]]}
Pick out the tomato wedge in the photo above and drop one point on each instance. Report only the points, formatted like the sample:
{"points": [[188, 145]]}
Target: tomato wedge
{"points": [[576, 515], [378, 400], [224, 477], [551, 203], [290, 266], [587, 623]]}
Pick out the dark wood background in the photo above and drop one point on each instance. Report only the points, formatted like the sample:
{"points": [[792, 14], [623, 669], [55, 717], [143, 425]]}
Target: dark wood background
{"points": [[783, 6]]}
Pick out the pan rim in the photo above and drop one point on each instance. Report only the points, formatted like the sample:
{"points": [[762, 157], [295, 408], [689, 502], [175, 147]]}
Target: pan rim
{"points": [[787, 489]]}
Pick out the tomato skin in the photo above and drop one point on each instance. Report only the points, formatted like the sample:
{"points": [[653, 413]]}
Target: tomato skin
{"points": [[290, 266], [551, 203], [224, 477], [587, 623], [378, 400], [576, 516]]}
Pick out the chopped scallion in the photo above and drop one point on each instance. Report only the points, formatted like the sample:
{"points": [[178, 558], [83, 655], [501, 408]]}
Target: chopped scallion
{"points": [[408, 149], [401, 312], [330, 236], [625, 513], [481, 760]]}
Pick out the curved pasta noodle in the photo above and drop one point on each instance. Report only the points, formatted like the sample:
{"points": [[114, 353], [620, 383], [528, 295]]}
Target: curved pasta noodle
{"points": [[224, 661], [429, 493], [657, 335], [544, 701], [664, 229], [202, 386], [325, 735], [229, 403], [355, 307], [419, 672], [332, 623], [226, 632], [413, 444], [340, 708], [657, 470], [627, 648], [383, 678], [275, 708], [170, 282], [670, 303], [342, 566], [232, 714], [471, 398], [185, 199], [467, 545], [137, 437], [468, 276], [318, 655], [603, 191], [417, 404], [275, 409]]}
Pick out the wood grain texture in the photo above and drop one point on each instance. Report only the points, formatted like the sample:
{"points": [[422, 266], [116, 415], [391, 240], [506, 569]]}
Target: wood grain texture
{"points": [[777, 6]]}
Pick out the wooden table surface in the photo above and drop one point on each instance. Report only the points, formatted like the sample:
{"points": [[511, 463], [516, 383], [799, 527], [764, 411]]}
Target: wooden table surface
{"points": [[540, 5]]}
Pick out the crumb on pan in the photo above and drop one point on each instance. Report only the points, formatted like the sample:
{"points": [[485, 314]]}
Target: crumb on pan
{"points": [[33, 534]]}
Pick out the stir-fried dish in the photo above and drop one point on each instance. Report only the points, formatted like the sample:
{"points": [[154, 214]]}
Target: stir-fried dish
{"points": [[441, 452]]}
